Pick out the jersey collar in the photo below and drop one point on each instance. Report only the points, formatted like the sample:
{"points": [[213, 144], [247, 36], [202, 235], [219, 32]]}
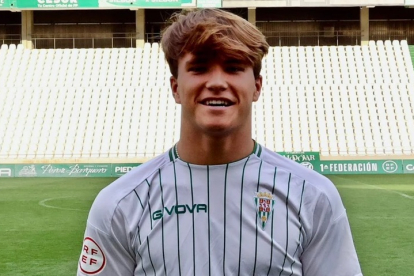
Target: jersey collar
{"points": [[172, 153]]}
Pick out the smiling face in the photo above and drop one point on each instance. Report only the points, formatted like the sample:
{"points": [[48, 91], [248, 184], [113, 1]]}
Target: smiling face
{"points": [[216, 94]]}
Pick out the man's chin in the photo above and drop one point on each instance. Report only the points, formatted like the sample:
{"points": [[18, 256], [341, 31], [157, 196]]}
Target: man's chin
{"points": [[217, 129]]}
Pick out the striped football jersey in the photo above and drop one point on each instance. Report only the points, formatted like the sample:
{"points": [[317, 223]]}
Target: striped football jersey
{"points": [[262, 215]]}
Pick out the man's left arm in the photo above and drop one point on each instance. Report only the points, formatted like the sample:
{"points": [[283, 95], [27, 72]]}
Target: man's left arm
{"points": [[331, 250]]}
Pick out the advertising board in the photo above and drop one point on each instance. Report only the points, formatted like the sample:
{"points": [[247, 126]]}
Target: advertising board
{"points": [[209, 3], [4, 4], [6, 170], [360, 167], [95, 4], [122, 168], [308, 159], [63, 170], [408, 166]]}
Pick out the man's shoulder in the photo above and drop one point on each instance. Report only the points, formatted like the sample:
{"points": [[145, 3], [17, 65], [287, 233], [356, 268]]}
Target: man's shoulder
{"points": [[290, 166], [316, 184], [109, 198], [129, 181]]}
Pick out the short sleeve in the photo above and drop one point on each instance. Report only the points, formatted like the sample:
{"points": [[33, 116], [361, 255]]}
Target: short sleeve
{"points": [[331, 250], [105, 249]]}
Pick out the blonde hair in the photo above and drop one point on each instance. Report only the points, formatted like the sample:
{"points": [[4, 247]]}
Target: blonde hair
{"points": [[214, 32]]}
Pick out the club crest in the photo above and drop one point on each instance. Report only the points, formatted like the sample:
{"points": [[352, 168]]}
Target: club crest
{"points": [[264, 206]]}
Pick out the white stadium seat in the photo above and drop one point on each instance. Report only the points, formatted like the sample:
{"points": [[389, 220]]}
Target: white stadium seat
{"points": [[116, 103]]}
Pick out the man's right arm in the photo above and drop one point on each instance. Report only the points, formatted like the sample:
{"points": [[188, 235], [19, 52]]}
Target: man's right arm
{"points": [[105, 248]]}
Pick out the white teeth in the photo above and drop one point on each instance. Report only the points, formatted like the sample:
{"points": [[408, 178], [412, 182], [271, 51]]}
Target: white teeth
{"points": [[217, 103]]}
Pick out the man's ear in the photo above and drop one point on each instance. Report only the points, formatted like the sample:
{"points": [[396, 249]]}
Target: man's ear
{"points": [[258, 87], [174, 89]]}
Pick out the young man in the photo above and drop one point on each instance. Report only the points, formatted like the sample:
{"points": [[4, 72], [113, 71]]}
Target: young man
{"points": [[218, 203]]}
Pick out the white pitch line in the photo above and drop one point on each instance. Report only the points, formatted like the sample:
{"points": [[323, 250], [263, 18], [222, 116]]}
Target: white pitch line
{"points": [[392, 191], [379, 188], [407, 196], [43, 203]]}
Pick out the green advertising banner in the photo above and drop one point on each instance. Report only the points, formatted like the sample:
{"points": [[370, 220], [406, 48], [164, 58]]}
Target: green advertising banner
{"points": [[408, 166], [63, 170], [209, 3], [147, 3], [5, 4], [6, 170], [84, 4], [123, 168], [360, 167], [308, 159], [305, 156], [56, 4]]}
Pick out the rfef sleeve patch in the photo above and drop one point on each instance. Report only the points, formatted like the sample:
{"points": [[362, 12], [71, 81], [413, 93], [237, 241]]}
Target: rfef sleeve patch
{"points": [[92, 260]]}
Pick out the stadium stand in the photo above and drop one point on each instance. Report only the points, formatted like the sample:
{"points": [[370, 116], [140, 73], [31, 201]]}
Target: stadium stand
{"points": [[114, 103], [379, 62]]}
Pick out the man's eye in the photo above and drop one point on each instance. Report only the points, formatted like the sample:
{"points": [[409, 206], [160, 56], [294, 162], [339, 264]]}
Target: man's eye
{"points": [[234, 69]]}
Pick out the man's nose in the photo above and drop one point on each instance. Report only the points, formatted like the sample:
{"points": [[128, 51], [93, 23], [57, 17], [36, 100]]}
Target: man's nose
{"points": [[217, 79]]}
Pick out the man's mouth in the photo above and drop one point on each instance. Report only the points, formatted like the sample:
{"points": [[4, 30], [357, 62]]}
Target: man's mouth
{"points": [[219, 103]]}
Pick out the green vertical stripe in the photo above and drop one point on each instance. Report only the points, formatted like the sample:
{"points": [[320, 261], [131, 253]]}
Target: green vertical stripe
{"points": [[241, 213], [149, 206], [162, 222], [142, 206], [142, 263], [140, 202], [300, 228], [149, 255], [139, 235], [192, 206], [271, 244], [255, 215], [178, 221], [287, 225], [208, 214], [225, 205]]}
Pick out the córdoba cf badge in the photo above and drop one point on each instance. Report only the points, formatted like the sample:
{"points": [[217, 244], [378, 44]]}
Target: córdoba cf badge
{"points": [[264, 206]]}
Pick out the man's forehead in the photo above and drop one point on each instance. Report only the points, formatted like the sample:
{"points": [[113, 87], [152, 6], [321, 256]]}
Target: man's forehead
{"points": [[210, 57]]}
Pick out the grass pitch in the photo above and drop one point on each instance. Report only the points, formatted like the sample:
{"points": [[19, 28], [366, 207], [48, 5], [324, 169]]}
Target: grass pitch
{"points": [[381, 213], [42, 221]]}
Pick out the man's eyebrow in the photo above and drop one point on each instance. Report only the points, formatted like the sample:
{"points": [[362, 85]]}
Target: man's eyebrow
{"points": [[205, 60], [197, 60], [235, 61]]}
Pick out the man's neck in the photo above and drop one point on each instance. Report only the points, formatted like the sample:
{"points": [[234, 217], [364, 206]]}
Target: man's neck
{"points": [[207, 150]]}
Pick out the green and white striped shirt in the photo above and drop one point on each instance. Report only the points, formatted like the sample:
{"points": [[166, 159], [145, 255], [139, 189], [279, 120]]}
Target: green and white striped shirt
{"points": [[262, 215]]}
